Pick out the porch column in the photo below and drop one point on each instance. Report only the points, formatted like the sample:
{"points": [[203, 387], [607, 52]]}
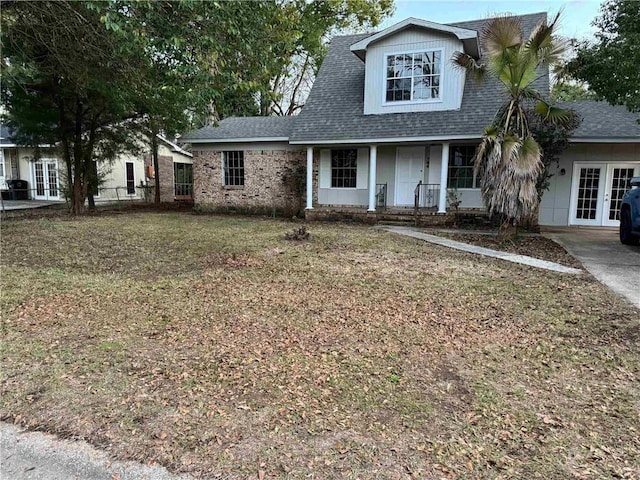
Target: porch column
{"points": [[309, 178], [373, 154], [444, 173]]}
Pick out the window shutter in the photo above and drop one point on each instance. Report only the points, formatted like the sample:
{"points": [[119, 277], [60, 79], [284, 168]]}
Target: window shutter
{"points": [[363, 168], [325, 169]]}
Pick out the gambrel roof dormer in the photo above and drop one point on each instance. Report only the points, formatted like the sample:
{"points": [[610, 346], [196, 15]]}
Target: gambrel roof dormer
{"points": [[469, 38]]}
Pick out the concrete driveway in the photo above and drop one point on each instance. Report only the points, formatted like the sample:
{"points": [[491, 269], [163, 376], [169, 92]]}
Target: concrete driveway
{"points": [[600, 251]]}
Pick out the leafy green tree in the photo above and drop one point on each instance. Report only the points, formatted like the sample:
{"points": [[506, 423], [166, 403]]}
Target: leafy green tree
{"points": [[95, 76], [63, 91], [564, 91], [611, 64], [289, 75], [508, 159]]}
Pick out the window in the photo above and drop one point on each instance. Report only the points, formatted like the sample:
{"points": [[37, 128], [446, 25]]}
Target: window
{"points": [[233, 166], [131, 181], [1, 163], [461, 168], [413, 76], [183, 175], [344, 168]]}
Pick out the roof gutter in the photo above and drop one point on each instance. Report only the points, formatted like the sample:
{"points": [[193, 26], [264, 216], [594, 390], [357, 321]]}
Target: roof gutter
{"points": [[377, 141], [604, 140], [235, 140]]}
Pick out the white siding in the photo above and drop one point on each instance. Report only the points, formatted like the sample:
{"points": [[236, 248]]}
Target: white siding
{"points": [[386, 171], [554, 207], [358, 196], [411, 40]]}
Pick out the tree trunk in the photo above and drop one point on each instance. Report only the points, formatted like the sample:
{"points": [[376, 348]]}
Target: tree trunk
{"points": [[78, 195], [156, 172], [508, 230], [532, 223]]}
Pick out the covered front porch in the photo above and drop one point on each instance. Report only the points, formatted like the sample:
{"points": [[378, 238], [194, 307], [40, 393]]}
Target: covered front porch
{"points": [[431, 178]]}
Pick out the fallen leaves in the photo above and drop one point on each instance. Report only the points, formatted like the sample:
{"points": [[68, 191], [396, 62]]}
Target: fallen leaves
{"points": [[221, 350]]}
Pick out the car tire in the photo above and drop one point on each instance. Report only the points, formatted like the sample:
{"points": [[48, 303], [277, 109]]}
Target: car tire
{"points": [[626, 236]]}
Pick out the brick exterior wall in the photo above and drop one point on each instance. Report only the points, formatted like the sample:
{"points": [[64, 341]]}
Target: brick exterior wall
{"points": [[271, 181], [165, 167]]}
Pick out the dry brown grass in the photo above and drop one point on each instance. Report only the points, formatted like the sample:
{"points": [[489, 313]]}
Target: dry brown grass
{"points": [[213, 346]]}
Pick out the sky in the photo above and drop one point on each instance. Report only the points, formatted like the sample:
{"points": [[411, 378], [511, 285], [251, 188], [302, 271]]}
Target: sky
{"points": [[575, 21]]}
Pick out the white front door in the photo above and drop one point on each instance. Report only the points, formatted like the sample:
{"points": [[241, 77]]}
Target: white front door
{"points": [[409, 171], [597, 191], [45, 179]]}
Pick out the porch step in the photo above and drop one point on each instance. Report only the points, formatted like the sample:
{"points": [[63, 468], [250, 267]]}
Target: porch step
{"points": [[399, 222]]}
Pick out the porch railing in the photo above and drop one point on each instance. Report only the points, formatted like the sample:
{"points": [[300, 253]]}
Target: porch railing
{"points": [[427, 195], [183, 189], [381, 195]]}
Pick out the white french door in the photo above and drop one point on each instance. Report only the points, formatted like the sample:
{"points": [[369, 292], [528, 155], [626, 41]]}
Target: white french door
{"points": [[597, 192], [409, 171], [45, 179]]}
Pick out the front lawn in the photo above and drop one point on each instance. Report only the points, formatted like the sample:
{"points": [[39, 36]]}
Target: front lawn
{"points": [[214, 347]]}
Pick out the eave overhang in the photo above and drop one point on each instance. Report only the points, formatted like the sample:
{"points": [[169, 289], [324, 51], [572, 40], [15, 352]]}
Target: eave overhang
{"points": [[469, 38]]}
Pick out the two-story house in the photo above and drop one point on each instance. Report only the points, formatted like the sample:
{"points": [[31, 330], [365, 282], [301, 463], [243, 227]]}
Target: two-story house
{"points": [[391, 121]]}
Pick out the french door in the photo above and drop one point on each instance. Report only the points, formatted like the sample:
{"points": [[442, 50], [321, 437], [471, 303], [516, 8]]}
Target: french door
{"points": [[597, 192], [45, 180]]}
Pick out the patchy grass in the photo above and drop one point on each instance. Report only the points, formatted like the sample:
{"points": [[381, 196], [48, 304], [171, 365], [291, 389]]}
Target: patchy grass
{"points": [[213, 346]]}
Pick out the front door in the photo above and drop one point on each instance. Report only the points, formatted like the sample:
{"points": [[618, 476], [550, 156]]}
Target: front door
{"points": [[45, 180], [409, 171], [597, 191]]}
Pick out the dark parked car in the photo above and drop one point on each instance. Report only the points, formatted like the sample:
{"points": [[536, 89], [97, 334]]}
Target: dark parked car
{"points": [[630, 214]]}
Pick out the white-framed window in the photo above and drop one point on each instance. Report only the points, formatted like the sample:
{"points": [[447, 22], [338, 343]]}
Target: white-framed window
{"points": [[461, 167], [413, 76], [344, 168], [1, 164], [233, 168], [130, 177]]}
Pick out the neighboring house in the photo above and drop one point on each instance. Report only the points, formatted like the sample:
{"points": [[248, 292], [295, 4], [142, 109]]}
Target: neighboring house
{"points": [[126, 178], [390, 121]]}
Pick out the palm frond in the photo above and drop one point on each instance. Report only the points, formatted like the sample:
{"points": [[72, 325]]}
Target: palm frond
{"points": [[477, 70], [527, 162], [542, 46], [556, 115], [502, 33]]}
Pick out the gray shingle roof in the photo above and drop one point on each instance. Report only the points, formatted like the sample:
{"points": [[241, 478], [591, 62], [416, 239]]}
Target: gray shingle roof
{"points": [[244, 128], [334, 110], [5, 134], [601, 120]]}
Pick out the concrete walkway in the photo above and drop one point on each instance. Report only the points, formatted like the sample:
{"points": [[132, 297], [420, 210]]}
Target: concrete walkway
{"points": [[40, 456], [487, 252], [8, 205], [600, 251]]}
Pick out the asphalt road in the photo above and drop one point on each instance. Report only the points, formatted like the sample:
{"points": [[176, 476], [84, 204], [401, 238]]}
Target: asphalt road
{"points": [[40, 456]]}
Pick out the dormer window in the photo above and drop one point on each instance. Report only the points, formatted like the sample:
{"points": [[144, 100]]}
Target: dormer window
{"points": [[414, 76]]}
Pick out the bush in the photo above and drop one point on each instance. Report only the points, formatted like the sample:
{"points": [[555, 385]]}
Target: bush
{"points": [[297, 234]]}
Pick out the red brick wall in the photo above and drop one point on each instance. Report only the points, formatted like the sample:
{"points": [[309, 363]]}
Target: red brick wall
{"points": [[270, 179]]}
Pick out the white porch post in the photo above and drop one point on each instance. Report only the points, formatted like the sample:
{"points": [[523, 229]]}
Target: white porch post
{"points": [[309, 178], [444, 173], [373, 154]]}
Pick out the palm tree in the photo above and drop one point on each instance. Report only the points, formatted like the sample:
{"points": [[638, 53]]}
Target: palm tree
{"points": [[508, 159]]}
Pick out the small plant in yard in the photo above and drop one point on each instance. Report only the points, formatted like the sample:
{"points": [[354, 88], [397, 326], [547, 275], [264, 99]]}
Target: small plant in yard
{"points": [[298, 234], [454, 199]]}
